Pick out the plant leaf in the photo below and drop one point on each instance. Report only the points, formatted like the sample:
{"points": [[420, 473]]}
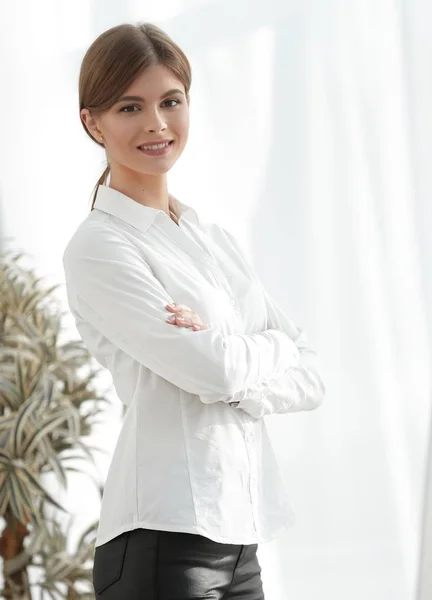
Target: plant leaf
{"points": [[42, 490]]}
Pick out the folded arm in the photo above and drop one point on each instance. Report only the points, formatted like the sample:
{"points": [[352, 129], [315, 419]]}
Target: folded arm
{"points": [[115, 290], [299, 387]]}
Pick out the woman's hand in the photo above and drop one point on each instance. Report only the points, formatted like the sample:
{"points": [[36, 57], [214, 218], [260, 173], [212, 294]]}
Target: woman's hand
{"points": [[185, 317]]}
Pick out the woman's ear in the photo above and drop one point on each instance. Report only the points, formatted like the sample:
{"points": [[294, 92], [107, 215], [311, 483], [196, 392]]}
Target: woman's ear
{"points": [[91, 124]]}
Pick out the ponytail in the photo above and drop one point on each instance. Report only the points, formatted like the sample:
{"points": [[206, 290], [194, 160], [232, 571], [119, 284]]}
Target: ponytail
{"points": [[102, 179]]}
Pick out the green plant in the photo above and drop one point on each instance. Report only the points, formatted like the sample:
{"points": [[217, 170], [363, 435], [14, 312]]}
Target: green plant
{"points": [[48, 404]]}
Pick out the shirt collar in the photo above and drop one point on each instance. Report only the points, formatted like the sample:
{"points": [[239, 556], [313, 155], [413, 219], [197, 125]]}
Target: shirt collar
{"points": [[118, 204]]}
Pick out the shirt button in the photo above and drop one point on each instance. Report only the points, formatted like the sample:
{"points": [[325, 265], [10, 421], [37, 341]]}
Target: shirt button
{"points": [[233, 302]]}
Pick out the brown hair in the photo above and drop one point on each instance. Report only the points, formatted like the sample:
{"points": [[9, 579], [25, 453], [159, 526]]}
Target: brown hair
{"points": [[113, 61]]}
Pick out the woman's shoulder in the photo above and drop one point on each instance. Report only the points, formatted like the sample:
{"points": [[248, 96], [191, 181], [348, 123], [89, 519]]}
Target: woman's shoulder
{"points": [[90, 236]]}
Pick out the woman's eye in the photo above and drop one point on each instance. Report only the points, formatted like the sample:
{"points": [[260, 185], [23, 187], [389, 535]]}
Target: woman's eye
{"points": [[172, 100], [125, 107]]}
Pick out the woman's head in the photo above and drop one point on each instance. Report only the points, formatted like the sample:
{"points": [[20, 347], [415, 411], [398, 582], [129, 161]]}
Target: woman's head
{"points": [[140, 61]]}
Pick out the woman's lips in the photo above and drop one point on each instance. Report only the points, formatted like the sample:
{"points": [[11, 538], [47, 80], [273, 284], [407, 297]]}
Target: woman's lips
{"points": [[159, 151]]}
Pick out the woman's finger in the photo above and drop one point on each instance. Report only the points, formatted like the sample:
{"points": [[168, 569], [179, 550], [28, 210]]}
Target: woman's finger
{"points": [[182, 322], [177, 307], [186, 314], [174, 318], [183, 316], [179, 320]]}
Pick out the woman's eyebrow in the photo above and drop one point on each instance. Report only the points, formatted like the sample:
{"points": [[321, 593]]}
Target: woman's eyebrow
{"points": [[141, 99]]}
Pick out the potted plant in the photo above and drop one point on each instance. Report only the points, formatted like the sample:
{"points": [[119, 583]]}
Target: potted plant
{"points": [[48, 406]]}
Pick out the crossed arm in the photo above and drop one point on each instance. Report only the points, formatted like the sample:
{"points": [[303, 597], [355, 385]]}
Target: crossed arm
{"points": [[115, 290], [299, 387]]}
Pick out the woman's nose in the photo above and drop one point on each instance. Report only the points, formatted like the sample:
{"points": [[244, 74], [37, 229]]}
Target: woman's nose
{"points": [[155, 123], [155, 129]]}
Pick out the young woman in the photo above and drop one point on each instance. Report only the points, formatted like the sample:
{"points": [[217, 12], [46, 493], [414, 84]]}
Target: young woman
{"points": [[198, 351]]}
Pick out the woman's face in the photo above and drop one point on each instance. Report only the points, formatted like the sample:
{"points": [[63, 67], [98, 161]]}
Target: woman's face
{"points": [[158, 113]]}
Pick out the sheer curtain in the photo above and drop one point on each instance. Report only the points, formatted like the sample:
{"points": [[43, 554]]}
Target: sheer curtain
{"points": [[310, 140]]}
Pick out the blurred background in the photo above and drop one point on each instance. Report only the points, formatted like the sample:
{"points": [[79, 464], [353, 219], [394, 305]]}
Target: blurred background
{"points": [[310, 140]]}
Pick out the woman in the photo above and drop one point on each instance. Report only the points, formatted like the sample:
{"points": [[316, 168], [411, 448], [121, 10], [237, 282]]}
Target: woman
{"points": [[197, 350]]}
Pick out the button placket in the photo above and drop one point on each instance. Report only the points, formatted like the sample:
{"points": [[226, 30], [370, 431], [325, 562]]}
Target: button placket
{"points": [[223, 286], [250, 439], [253, 492], [217, 280], [218, 275]]}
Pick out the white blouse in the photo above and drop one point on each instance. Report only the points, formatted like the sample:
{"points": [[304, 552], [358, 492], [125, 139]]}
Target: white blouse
{"points": [[186, 459]]}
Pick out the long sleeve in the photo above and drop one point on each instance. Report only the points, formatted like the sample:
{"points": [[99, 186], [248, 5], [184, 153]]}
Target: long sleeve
{"points": [[115, 290], [299, 387]]}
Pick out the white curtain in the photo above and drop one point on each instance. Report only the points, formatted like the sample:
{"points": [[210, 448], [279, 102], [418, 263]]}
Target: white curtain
{"points": [[310, 139]]}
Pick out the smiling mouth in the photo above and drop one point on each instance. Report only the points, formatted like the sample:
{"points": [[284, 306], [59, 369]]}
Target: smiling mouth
{"points": [[156, 149]]}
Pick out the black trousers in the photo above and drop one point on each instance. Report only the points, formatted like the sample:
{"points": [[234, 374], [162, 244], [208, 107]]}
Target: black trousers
{"points": [[145, 564]]}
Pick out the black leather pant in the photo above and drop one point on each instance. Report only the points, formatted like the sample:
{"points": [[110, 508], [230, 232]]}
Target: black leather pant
{"points": [[145, 564]]}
